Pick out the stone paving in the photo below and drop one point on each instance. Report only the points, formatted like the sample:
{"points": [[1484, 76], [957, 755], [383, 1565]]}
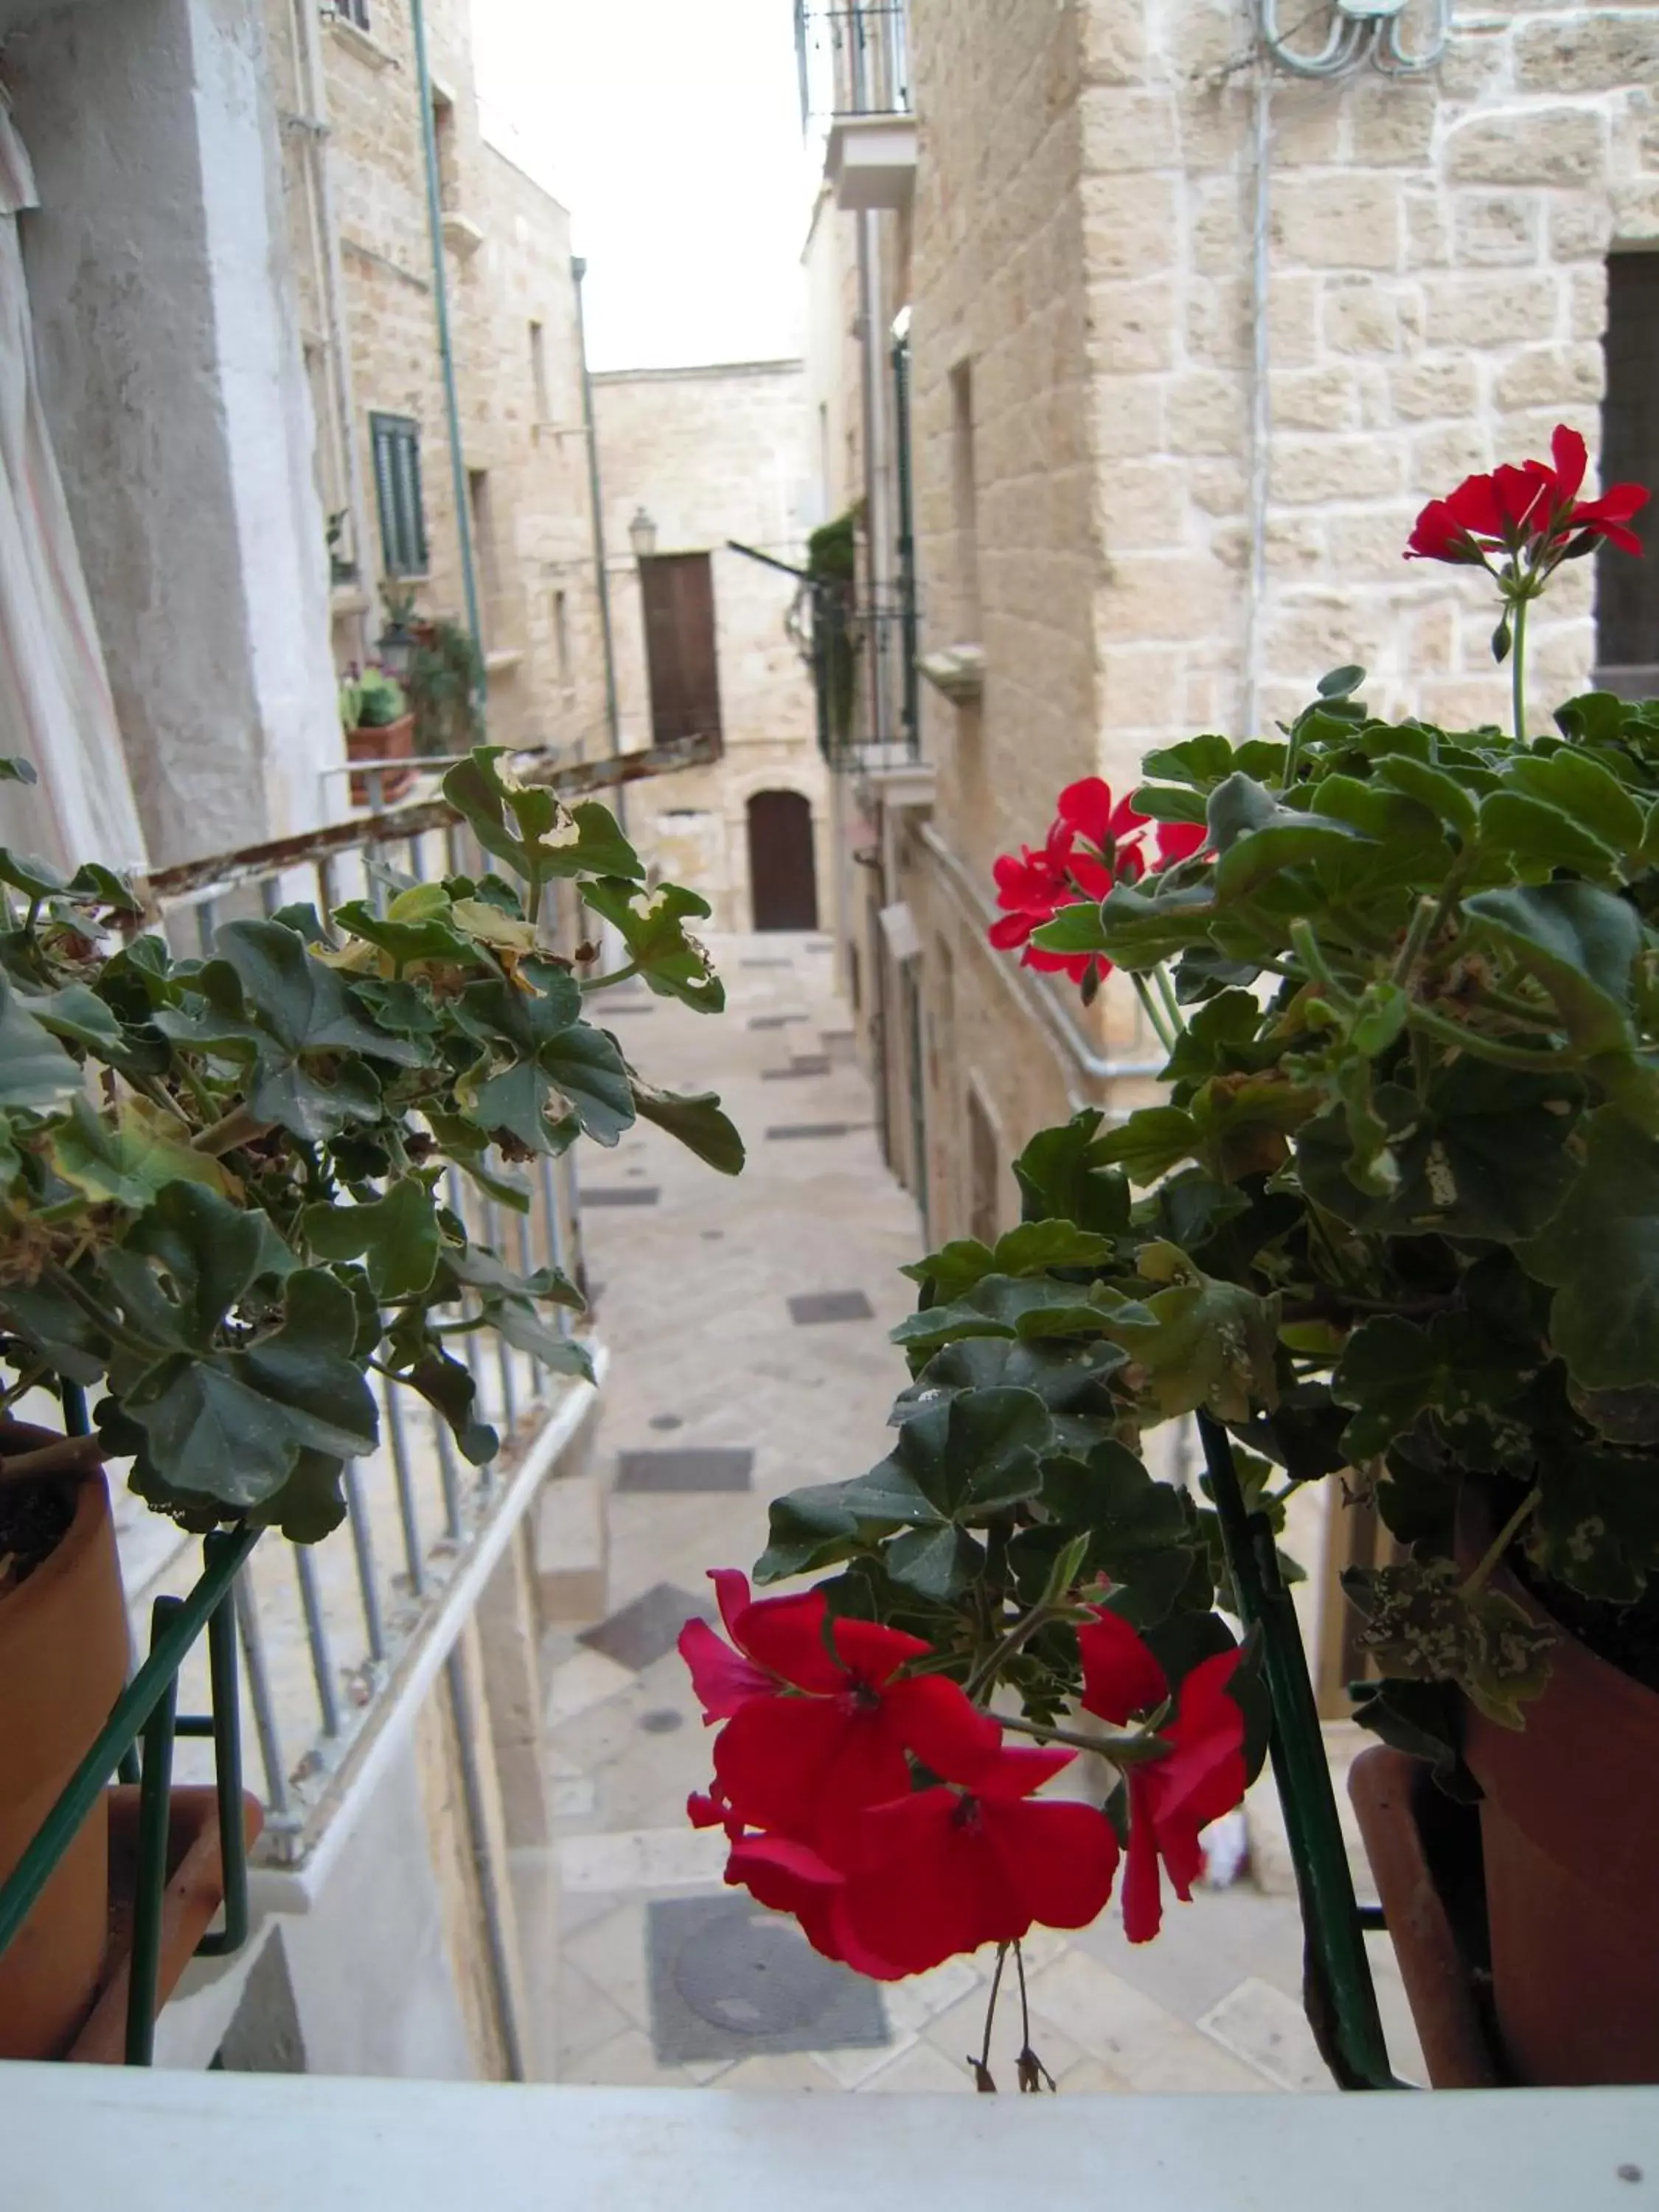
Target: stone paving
{"points": [[666, 1978]]}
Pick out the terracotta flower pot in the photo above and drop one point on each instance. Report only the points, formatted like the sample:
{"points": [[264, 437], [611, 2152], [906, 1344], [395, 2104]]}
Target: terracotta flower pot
{"points": [[63, 1661], [1567, 1829], [395, 741], [1565, 1902]]}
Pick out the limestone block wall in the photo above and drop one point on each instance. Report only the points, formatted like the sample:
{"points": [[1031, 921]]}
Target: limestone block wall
{"points": [[1436, 300], [713, 454]]}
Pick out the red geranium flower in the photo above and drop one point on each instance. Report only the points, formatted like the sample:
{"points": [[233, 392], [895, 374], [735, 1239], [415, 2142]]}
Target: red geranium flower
{"points": [[968, 1861], [725, 1679], [1172, 1798], [949, 1869], [1092, 842], [806, 1767], [1531, 515]]}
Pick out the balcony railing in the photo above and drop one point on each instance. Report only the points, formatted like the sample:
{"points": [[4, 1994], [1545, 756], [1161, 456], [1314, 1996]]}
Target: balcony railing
{"points": [[853, 60], [861, 652]]}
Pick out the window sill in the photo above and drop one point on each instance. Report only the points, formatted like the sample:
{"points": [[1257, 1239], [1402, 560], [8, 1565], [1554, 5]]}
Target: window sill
{"points": [[360, 43], [957, 671], [346, 600], [462, 234], [504, 662]]}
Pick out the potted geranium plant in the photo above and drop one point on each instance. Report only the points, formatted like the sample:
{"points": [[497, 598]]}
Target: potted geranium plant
{"points": [[1399, 1224], [222, 1204], [380, 725]]}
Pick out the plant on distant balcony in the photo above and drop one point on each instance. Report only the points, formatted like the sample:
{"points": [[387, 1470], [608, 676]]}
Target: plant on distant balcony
{"points": [[1395, 1224], [832, 571], [372, 701], [446, 690]]}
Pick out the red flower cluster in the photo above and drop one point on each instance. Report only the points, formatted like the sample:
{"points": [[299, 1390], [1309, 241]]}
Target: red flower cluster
{"points": [[884, 1811], [1091, 844], [1531, 515], [1170, 1800], [814, 1785]]}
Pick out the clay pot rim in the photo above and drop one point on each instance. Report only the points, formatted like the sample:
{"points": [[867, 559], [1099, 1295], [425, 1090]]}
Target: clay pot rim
{"points": [[18, 1608]]}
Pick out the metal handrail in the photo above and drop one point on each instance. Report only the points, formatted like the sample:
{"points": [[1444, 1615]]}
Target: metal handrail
{"points": [[853, 59]]}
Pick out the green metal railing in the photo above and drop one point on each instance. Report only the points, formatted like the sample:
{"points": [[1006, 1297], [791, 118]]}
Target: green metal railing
{"points": [[1339, 1995], [146, 1715]]}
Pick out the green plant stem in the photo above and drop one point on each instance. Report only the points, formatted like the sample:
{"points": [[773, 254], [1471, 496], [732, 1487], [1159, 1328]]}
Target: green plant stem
{"points": [[533, 912], [1518, 672], [616, 976], [986, 1671], [1319, 970], [1133, 1750], [1153, 1015], [150, 1089], [206, 1103], [1481, 1047], [1171, 1004], [117, 1331], [981, 2065], [1416, 937], [239, 1127], [1484, 1568]]}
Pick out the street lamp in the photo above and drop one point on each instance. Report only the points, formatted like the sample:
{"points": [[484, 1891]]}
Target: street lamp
{"points": [[642, 535]]}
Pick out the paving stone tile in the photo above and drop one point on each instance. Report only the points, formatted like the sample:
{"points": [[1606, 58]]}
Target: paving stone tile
{"points": [[585, 2019], [788, 1129], [1269, 2031], [810, 1307], [766, 960], [586, 1680], [711, 1467], [610, 1012], [628, 2062], [728, 1979], [641, 1631], [781, 2071], [619, 1194], [803, 1065], [775, 1021], [644, 1859], [921, 2068]]}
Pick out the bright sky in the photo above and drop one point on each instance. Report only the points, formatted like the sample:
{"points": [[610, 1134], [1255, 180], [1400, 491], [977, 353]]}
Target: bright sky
{"points": [[670, 129]]}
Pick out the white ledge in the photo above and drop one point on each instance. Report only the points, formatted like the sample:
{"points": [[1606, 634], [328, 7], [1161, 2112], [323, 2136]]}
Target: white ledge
{"points": [[462, 234], [957, 671], [76, 2135]]}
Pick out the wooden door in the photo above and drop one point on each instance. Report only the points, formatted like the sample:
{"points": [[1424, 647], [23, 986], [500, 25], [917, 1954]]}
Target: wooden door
{"points": [[782, 879], [678, 593]]}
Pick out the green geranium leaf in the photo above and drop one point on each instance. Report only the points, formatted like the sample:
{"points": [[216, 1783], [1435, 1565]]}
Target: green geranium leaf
{"points": [[1578, 786], [129, 1163], [953, 1269], [310, 1504], [525, 825], [1071, 1377], [697, 1120], [211, 1252], [1035, 1247], [420, 931], [810, 1528], [14, 769], [1579, 942], [448, 1388], [398, 1233], [1423, 1719], [961, 1461], [80, 1015], [1534, 839], [1141, 1533], [672, 962], [35, 1071], [1065, 1174], [28, 874], [1200, 1342], [1421, 1623], [1009, 1305], [1601, 1255]]}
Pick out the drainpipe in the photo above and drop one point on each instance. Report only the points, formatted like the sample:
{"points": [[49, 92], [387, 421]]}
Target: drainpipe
{"points": [[320, 174], [475, 1812], [435, 216], [613, 712]]}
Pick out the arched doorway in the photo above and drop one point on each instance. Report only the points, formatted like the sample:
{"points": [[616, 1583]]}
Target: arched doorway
{"points": [[783, 887]]}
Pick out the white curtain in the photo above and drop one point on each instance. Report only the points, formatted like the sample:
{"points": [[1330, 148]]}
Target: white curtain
{"points": [[55, 705]]}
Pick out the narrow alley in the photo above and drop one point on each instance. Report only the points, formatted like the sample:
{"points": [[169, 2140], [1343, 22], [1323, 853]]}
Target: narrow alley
{"points": [[745, 1324]]}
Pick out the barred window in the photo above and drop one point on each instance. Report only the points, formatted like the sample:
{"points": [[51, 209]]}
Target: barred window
{"points": [[396, 443]]}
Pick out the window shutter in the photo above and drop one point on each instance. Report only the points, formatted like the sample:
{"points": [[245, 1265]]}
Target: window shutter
{"points": [[396, 449]]}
